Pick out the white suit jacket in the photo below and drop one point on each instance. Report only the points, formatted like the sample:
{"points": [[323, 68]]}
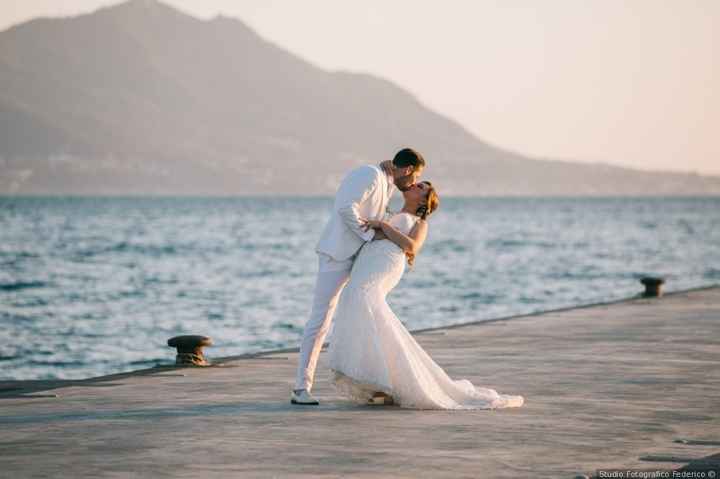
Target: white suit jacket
{"points": [[363, 193]]}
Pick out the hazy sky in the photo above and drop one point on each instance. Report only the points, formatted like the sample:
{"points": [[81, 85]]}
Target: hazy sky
{"points": [[631, 82]]}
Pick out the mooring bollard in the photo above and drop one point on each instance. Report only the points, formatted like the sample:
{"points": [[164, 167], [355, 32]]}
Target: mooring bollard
{"points": [[189, 350], [653, 287]]}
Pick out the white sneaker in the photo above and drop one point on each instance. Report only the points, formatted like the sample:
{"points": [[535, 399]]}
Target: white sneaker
{"points": [[303, 398]]}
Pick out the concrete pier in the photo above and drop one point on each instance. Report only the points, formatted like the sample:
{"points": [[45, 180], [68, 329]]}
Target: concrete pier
{"points": [[609, 386]]}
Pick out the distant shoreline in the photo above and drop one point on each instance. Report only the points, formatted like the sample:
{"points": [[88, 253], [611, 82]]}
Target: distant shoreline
{"points": [[330, 196]]}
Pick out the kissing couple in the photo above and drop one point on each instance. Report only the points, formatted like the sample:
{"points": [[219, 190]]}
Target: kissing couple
{"points": [[362, 254]]}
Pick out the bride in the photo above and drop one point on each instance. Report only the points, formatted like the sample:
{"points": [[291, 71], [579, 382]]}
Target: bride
{"points": [[372, 356]]}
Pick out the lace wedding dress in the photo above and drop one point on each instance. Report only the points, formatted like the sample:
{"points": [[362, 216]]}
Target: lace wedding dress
{"points": [[371, 351]]}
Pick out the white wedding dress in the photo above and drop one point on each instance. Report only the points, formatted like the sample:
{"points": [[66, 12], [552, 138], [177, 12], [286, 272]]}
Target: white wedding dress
{"points": [[371, 351]]}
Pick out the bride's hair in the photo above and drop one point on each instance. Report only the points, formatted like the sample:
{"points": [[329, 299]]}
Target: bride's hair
{"points": [[432, 201]]}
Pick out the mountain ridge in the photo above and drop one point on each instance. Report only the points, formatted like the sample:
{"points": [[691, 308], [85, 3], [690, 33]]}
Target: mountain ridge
{"points": [[141, 98]]}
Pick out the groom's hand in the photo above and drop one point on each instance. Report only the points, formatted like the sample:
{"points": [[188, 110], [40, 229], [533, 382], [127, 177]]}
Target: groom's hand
{"points": [[370, 223], [386, 166], [379, 235], [373, 224]]}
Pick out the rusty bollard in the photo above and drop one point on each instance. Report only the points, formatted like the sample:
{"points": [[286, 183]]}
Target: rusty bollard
{"points": [[189, 350], [653, 287]]}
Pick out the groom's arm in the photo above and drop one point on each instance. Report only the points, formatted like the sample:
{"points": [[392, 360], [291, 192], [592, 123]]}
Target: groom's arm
{"points": [[355, 190]]}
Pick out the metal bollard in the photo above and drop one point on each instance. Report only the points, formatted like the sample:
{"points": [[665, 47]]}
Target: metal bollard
{"points": [[653, 287], [189, 350]]}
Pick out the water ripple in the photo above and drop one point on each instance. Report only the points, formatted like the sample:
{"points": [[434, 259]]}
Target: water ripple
{"points": [[92, 286]]}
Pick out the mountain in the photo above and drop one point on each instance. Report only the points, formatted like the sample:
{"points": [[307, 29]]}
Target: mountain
{"points": [[140, 98]]}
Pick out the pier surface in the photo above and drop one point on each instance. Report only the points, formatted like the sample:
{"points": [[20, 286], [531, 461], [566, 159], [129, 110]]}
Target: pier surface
{"points": [[607, 386]]}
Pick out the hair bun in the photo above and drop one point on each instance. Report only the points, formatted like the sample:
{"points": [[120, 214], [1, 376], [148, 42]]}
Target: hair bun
{"points": [[422, 211]]}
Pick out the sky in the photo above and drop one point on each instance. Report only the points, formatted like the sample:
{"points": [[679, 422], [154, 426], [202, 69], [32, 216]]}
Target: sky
{"points": [[625, 82]]}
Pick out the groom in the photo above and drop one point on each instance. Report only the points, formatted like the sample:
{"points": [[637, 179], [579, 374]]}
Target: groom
{"points": [[363, 194]]}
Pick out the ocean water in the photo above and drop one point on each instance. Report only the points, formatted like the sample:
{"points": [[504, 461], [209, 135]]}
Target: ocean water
{"points": [[92, 286]]}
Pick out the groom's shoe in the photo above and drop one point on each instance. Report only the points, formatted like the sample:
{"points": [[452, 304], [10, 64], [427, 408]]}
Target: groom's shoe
{"points": [[303, 397]]}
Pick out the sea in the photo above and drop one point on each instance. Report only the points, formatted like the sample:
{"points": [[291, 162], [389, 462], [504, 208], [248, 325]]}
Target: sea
{"points": [[96, 285]]}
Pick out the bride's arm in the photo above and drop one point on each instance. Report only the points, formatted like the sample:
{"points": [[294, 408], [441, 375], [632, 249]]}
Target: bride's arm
{"points": [[410, 243]]}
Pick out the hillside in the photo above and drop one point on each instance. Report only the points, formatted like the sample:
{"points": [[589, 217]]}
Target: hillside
{"points": [[140, 98]]}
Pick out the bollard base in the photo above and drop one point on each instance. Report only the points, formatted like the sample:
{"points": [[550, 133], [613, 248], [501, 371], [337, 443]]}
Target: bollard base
{"points": [[191, 359], [653, 287]]}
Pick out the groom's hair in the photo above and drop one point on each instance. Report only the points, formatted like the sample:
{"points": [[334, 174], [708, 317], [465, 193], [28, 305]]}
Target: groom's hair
{"points": [[408, 157]]}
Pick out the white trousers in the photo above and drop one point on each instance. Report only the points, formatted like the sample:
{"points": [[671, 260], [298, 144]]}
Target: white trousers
{"points": [[331, 279]]}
